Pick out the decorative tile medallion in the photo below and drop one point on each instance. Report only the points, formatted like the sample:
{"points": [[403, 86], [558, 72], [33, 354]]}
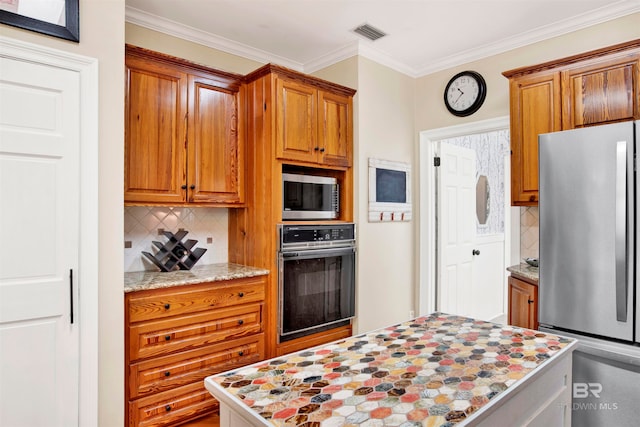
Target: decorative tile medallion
{"points": [[435, 370]]}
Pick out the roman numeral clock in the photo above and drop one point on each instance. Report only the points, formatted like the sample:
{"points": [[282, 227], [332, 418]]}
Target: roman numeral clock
{"points": [[465, 93]]}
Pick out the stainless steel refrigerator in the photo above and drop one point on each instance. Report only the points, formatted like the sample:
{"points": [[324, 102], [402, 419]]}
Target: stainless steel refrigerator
{"points": [[589, 258]]}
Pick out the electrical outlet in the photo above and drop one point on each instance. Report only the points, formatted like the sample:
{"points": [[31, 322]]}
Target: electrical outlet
{"points": [[412, 314], [127, 244], [209, 240], [160, 231]]}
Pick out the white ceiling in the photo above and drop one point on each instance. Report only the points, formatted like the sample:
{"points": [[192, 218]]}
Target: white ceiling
{"points": [[423, 36]]}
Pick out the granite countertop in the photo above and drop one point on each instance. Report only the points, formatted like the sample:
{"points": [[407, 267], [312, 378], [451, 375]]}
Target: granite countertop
{"points": [[143, 280], [526, 271], [434, 370]]}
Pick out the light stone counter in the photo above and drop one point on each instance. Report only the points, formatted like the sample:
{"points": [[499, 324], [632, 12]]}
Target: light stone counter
{"points": [[143, 280], [525, 271]]}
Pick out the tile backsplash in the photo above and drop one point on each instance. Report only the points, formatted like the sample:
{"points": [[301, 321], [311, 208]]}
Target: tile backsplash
{"points": [[141, 224], [529, 232]]}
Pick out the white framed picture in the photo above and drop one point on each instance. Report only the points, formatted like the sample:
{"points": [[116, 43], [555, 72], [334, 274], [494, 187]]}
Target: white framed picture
{"points": [[389, 191]]}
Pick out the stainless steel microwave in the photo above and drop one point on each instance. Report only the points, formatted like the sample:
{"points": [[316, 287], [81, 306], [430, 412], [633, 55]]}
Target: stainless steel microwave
{"points": [[310, 197]]}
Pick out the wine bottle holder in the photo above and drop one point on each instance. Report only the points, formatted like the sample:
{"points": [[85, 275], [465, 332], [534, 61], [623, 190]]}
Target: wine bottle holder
{"points": [[175, 254]]}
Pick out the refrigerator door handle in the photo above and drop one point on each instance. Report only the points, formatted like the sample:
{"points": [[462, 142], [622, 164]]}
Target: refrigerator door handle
{"points": [[621, 231]]}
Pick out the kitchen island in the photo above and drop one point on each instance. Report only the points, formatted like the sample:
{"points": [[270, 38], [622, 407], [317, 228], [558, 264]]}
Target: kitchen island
{"points": [[435, 370]]}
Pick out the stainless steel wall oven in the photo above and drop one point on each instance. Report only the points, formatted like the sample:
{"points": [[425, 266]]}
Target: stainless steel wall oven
{"points": [[316, 278]]}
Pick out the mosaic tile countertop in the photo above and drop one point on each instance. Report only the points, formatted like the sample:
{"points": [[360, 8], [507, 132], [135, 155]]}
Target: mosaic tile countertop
{"points": [[143, 280], [436, 370], [525, 270]]}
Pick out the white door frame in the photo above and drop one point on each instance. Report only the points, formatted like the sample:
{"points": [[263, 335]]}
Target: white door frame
{"points": [[87, 68], [426, 264]]}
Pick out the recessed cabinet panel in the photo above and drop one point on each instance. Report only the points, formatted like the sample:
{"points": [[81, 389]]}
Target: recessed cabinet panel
{"points": [[296, 119], [155, 124], [600, 93], [535, 109], [334, 130], [215, 154]]}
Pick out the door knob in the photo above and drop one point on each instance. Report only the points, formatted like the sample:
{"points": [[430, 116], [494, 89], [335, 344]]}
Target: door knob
{"points": [[475, 252]]}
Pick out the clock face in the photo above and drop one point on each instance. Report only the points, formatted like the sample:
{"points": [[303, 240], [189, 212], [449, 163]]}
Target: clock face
{"points": [[465, 93]]}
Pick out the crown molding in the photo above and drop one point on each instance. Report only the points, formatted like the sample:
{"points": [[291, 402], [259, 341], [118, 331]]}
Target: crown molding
{"points": [[608, 13], [358, 47], [172, 28]]}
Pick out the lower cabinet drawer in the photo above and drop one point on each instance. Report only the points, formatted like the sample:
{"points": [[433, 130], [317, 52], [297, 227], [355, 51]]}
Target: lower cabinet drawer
{"points": [[150, 339], [172, 406], [168, 372]]}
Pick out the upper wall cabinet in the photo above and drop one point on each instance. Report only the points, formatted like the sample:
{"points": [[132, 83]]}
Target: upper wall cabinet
{"points": [[590, 89], [183, 133], [313, 124]]}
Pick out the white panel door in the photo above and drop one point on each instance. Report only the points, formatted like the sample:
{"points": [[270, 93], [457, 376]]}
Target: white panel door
{"points": [[39, 235], [457, 228], [489, 278]]}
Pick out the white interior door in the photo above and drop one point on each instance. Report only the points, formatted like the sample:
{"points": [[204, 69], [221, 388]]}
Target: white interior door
{"points": [[456, 229], [39, 231]]}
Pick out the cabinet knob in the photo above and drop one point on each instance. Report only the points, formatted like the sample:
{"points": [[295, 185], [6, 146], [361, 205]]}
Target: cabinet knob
{"points": [[184, 186], [240, 322], [167, 408], [530, 301], [532, 198], [193, 186], [167, 374], [167, 306], [322, 150], [167, 337], [240, 294], [241, 353], [316, 149]]}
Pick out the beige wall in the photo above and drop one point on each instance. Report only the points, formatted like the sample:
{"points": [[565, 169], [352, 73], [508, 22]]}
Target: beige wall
{"points": [[102, 37]]}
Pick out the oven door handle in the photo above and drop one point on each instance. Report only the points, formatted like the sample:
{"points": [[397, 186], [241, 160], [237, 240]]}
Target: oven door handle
{"points": [[317, 253]]}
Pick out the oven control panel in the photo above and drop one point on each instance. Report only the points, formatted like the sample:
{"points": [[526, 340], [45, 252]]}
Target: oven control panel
{"points": [[317, 234]]}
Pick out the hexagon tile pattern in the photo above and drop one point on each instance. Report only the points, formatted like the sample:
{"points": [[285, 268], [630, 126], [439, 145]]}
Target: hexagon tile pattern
{"points": [[435, 370]]}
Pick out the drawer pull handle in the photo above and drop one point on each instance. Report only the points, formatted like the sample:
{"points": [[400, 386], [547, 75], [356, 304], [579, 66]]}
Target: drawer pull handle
{"points": [[167, 374], [241, 353], [167, 408], [167, 337], [167, 306], [240, 294], [240, 322]]}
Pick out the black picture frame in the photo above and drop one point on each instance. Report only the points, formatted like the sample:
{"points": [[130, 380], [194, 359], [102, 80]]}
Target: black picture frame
{"points": [[70, 31]]}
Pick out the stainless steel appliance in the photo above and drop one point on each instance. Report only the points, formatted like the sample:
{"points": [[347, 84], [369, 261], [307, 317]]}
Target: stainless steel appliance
{"points": [[589, 264], [316, 278], [310, 197]]}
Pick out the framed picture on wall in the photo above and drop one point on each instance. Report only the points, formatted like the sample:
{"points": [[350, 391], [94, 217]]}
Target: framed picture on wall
{"points": [[58, 18], [389, 191]]}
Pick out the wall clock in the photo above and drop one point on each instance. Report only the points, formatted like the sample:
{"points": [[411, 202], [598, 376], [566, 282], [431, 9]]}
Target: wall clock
{"points": [[465, 93]]}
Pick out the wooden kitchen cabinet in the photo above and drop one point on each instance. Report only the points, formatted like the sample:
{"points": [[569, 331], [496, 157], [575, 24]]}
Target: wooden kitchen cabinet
{"points": [[313, 125], [183, 133], [289, 114], [523, 303], [535, 108], [597, 87], [175, 337], [601, 91]]}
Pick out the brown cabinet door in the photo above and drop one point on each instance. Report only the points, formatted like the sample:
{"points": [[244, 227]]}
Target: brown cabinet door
{"points": [[601, 91], [334, 129], [523, 304], [296, 121], [155, 133], [215, 172], [535, 109]]}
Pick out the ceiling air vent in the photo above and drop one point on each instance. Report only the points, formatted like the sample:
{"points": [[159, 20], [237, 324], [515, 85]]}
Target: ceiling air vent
{"points": [[369, 32]]}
